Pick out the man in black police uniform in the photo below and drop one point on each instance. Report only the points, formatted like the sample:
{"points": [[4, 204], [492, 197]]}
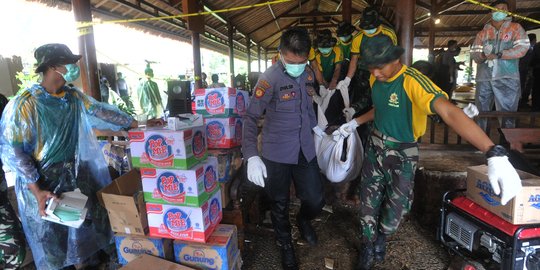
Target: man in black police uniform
{"points": [[285, 92]]}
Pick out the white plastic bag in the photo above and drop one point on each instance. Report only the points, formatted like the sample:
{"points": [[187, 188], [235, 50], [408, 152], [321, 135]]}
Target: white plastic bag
{"points": [[329, 149]]}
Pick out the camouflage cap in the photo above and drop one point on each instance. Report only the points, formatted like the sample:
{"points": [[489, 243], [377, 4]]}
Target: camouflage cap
{"points": [[379, 51], [370, 18], [344, 29], [54, 54], [325, 39]]}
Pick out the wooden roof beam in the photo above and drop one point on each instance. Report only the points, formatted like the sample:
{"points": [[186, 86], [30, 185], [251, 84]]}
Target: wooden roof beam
{"points": [[423, 5], [270, 21]]}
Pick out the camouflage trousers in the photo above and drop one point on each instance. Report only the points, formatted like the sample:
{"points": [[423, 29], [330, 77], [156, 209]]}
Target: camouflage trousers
{"points": [[12, 243], [386, 187]]}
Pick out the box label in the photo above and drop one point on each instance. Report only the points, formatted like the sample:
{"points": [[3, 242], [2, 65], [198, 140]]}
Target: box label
{"points": [[487, 193], [171, 188], [214, 102]]}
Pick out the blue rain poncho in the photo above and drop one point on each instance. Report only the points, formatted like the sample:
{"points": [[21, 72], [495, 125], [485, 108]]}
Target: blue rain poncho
{"points": [[48, 139]]}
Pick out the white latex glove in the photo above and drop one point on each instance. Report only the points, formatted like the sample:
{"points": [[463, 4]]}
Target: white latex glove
{"points": [[323, 91], [344, 84], [256, 171], [349, 113], [471, 110], [503, 176], [346, 129]]}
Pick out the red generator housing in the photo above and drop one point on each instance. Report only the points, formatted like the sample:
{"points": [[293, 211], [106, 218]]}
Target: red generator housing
{"points": [[477, 234]]}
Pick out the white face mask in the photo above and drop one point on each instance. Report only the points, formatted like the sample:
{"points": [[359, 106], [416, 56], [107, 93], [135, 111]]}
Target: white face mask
{"points": [[370, 31]]}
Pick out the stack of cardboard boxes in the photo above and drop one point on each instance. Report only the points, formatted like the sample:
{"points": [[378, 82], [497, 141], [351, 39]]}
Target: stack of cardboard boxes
{"points": [[173, 196], [223, 109]]}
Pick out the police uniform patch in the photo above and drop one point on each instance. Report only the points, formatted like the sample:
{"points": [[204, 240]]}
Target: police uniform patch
{"points": [[264, 84], [286, 96], [309, 77], [259, 92]]}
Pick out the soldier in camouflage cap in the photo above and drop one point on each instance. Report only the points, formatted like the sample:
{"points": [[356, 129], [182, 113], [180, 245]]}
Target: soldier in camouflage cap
{"points": [[54, 54]]}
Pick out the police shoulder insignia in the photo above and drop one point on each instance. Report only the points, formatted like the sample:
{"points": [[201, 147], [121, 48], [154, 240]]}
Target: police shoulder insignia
{"points": [[259, 92], [264, 84]]}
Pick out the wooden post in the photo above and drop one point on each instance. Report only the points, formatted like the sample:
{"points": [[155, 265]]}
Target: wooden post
{"points": [[248, 50], [196, 44], [231, 53], [431, 40], [87, 48], [196, 25], [346, 7], [259, 57], [265, 59], [405, 28]]}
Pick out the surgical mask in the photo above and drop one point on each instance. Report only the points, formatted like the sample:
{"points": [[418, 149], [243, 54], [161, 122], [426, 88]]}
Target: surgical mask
{"points": [[498, 16], [345, 38], [72, 73], [325, 50], [370, 31], [294, 70]]}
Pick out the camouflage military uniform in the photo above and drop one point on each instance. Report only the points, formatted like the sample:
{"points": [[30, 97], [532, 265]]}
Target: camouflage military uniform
{"points": [[387, 184], [12, 243], [386, 190]]}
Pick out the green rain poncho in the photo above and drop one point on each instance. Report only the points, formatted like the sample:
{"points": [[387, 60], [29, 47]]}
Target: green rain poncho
{"points": [[149, 96], [48, 139]]}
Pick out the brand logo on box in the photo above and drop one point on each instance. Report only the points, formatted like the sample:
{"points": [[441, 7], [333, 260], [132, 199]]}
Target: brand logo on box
{"points": [[199, 257], [214, 210], [170, 187], [215, 103], [215, 130], [176, 220], [137, 249], [158, 151], [198, 144], [535, 199], [210, 179], [240, 103], [488, 193]]}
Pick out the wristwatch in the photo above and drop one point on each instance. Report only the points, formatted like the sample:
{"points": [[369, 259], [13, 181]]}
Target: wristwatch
{"points": [[496, 151], [499, 55]]}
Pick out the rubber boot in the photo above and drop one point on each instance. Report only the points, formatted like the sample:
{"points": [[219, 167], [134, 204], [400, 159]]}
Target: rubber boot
{"points": [[306, 230], [365, 257], [380, 247], [288, 257]]}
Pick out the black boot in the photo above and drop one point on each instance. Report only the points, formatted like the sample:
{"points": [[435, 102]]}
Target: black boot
{"points": [[306, 230], [365, 257], [288, 258], [380, 247]]}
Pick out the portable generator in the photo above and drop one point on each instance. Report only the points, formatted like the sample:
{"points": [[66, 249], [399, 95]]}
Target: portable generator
{"points": [[476, 234]]}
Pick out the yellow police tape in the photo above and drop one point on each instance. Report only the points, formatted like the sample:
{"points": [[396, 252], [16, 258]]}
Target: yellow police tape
{"points": [[507, 12], [86, 24]]}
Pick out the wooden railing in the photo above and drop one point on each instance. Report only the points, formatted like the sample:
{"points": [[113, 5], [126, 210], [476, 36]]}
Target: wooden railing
{"points": [[436, 131]]}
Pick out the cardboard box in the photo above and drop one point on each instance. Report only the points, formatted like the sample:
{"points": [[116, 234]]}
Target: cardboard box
{"points": [[146, 262], [229, 162], [185, 120], [129, 247], [220, 102], [184, 222], [124, 202], [223, 132], [164, 148], [190, 187], [219, 252], [523, 209]]}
